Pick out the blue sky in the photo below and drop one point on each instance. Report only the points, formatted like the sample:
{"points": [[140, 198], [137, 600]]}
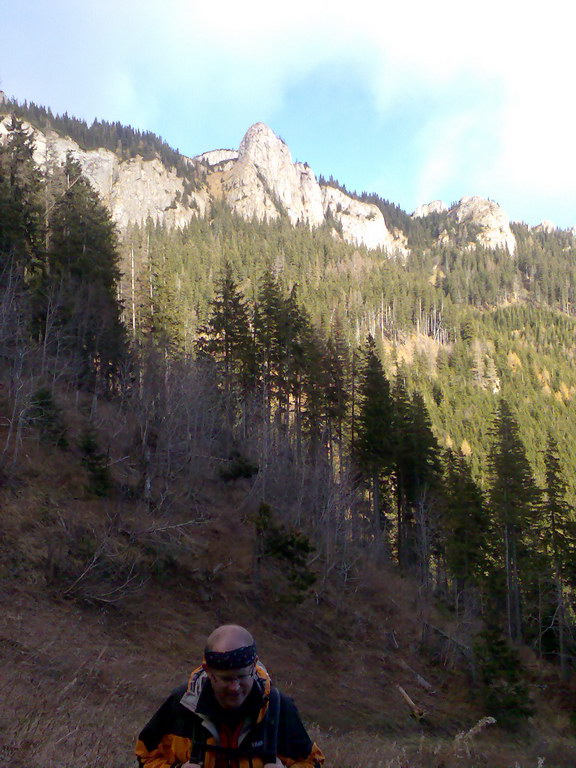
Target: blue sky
{"points": [[413, 100]]}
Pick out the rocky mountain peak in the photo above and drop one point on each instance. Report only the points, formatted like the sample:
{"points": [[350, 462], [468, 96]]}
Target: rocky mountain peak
{"points": [[265, 183], [494, 225], [436, 206], [259, 139], [545, 226]]}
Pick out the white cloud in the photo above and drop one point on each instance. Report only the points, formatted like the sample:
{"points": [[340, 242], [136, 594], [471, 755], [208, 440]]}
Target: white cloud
{"points": [[496, 77]]}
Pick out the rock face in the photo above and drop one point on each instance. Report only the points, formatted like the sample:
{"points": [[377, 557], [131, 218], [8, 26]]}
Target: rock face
{"points": [[360, 223], [263, 183], [258, 181], [133, 190], [545, 226], [494, 226], [436, 206]]}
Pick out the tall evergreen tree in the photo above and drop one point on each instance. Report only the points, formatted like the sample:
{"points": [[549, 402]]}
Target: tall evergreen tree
{"points": [[80, 278], [227, 336], [417, 473], [466, 528], [336, 392], [270, 338], [374, 446], [21, 205], [514, 502], [557, 525]]}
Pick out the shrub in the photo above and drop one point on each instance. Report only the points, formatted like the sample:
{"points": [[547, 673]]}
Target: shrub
{"points": [[500, 674]]}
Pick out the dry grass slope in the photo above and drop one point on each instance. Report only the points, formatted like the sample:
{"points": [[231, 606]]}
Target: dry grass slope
{"points": [[105, 604]]}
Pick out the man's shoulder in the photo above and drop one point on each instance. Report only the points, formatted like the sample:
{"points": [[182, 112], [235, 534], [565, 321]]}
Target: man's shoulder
{"points": [[176, 694], [285, 700]]}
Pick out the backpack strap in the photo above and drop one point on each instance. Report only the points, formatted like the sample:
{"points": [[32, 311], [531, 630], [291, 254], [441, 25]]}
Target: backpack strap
{"points": [[272, 720], [199, 735]]}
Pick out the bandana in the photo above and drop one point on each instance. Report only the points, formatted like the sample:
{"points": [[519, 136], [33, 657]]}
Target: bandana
{"points": [[236, 659]]}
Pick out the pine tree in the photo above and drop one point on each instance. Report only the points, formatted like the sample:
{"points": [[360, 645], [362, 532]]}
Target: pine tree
{"points": [[80, 279], [466, 527], [21, 206], [270, 339], [514, 502], [374, 446], [417, 473], [558, 535], [227, 336]]}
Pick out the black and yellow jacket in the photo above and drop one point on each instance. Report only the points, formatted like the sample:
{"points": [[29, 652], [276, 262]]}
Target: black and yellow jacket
{"points": [[189, 726]]}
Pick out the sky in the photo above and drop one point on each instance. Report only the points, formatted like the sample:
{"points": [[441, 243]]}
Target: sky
{"points": [[414, 100]]}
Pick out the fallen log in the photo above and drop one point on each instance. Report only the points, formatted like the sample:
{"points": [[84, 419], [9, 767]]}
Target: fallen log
{"points": [[414, 708]]}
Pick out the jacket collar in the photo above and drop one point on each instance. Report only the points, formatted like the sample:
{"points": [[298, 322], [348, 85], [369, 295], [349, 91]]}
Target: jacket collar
{"points": [[192, 699]]}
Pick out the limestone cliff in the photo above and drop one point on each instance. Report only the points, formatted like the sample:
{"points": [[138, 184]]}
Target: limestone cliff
{"points": [[545, 226], [359, 223], [493, 223], [134, 189], [436, 206], [258, 181], [264, 183], [485, 216]]}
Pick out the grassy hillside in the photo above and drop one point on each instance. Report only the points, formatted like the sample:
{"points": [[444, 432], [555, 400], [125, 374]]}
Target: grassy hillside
{"points": [[106, 602], [368, 462]]}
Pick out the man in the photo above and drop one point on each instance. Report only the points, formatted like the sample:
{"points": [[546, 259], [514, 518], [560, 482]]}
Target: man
{"points": [[228, 716]]}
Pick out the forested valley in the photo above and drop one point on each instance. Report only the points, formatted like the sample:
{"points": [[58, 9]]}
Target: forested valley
{"points": [[411, 417]]}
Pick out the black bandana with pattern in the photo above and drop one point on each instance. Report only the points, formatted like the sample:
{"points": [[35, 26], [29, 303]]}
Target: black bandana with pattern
{"points": [[236, 659]]}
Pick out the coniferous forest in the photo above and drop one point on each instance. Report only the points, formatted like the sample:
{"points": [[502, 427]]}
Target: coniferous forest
{"points": [[419, 412]]}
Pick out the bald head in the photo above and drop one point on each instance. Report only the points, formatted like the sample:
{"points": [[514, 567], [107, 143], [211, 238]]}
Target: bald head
{"points": [[229, 637]]}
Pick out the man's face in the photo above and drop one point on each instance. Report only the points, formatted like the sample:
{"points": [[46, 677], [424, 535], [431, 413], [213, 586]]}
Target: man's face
{"points": [[231, 687]]}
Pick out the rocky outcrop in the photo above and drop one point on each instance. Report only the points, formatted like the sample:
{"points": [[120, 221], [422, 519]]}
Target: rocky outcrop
{"points": [[545, 226], [264, 183], [217, 156], [436, 206], [261, 182], [220, 159], [485, 216], [493, 223], [359, 223], [134, 190], [258, 181]]}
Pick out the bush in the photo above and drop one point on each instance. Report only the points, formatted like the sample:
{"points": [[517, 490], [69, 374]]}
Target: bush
{"points": [[290, 549], [96, 463], [500, 674], [238, 466], [47, 417]]}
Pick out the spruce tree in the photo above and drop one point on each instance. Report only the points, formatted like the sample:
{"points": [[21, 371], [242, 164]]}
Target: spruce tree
{"points": [[79, 281], [514, 502], [374, 446], [270, 339], [466, 528], [22, 229], [227, 336], [557, 528]]}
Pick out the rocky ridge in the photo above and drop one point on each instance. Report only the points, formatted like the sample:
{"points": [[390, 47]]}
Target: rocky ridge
{"points": [[261, 182], [487, 216], [134, 190], [436, 206], [258, 181]]}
